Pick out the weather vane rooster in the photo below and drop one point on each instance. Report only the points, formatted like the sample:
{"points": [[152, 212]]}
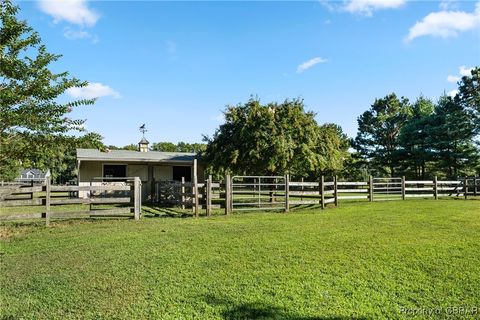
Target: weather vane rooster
{"points": [[143, 129]]}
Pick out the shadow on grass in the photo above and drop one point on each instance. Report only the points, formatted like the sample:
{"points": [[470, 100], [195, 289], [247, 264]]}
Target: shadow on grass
{"points": [[152, 211], [262, 310]]}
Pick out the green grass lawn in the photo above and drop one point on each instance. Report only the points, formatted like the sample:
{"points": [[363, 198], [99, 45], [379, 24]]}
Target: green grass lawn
{"points": [[361, 260]]}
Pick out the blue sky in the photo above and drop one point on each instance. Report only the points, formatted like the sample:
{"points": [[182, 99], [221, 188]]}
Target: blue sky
{"points": [[176, 65]]}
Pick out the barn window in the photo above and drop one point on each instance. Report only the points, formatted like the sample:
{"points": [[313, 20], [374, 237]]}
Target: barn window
{"points": [[182, 171], [114, 171]]}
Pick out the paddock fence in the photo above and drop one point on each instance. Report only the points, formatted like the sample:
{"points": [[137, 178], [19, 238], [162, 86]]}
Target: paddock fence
{"points": [[27, 201], [232, 194], [246, 193]]}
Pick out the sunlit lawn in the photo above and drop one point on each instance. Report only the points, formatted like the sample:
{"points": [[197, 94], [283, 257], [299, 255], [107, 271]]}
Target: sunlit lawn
{"points": [[361, 260]]}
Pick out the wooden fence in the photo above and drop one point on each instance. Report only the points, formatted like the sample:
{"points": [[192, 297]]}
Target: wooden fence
{"points": [[101, 199], [241, 193]]}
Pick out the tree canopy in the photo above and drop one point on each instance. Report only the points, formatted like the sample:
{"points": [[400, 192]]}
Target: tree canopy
{"points": [[378, 131], [424, 138], [30, 114], [274, 139]]}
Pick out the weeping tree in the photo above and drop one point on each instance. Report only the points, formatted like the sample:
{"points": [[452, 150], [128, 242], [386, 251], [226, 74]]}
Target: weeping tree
{"points": [[274, 139], [30, 114]]}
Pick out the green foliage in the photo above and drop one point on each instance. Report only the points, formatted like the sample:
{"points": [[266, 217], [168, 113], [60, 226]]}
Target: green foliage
{"points": [[30, 115], [378, 131], [359, 261], [469, 95], [451, 136], [179, 147], [274, 139], [415, 139]]}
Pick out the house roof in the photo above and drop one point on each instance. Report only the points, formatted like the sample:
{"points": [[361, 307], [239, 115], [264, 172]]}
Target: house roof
{"points": [[128, 155], [32, 171], [32, 174]]}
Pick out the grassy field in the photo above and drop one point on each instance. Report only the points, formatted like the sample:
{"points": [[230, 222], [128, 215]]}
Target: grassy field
{"points": [[360, 261]]}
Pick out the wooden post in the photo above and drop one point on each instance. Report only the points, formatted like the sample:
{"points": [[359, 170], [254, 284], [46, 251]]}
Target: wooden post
{"points": [[152, 190], [301, 197], [208, 195], [370, 188], [47, 200], [465, 181], [90, 196], [195, 188], [287, 193], [322, 191], [335, 188], [182, 190], [137, 198], [474, 186], [435, 188], [228, 194], [403, 188]]}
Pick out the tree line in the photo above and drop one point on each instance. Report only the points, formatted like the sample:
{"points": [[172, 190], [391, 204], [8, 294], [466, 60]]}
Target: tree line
{"points": [[424, 138], [395, 136]]}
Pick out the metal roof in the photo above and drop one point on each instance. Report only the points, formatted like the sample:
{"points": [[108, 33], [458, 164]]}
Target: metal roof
{"points": [[128, 155], [144, 141]]}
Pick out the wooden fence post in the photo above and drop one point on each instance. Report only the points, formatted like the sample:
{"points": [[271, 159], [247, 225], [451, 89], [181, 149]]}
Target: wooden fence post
{"points": [[182, 190], [47, 200], [435, 188], [195, 188], [335, 189], [137, 198], [474, 186], [228, 194], [209, 195], [287, 193], [301, 197], [465, 181], [31, 194], [322, 191], [403, 188], [370, 188]]}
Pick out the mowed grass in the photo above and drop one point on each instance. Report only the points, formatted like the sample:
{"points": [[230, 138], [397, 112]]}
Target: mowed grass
{"points": [[361, 260]]}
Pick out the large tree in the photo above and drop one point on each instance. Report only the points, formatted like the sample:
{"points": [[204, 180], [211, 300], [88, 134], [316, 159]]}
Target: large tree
{"points": [[451, 134], [378, 131], [469, 95], [30, 114], [415, 141], [273, 139]]}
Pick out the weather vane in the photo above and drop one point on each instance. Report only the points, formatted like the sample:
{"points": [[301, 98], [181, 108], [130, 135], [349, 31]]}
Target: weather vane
{"points": [[143, 129]]}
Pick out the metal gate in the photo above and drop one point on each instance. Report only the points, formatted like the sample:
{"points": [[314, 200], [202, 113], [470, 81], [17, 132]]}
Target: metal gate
{"points": [[387, 189], [258, 192]]}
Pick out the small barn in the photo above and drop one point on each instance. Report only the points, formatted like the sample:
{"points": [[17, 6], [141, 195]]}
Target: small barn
{"points": [[151, 166]]}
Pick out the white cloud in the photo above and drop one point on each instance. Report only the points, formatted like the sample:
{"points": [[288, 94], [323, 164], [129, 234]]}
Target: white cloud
{"points": [[445, 24], [80, 34], [310, 63], [452, 93], [446, 5], [367, 7], [93, 90], [73, 11], [453, 79], [464, 71]]}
